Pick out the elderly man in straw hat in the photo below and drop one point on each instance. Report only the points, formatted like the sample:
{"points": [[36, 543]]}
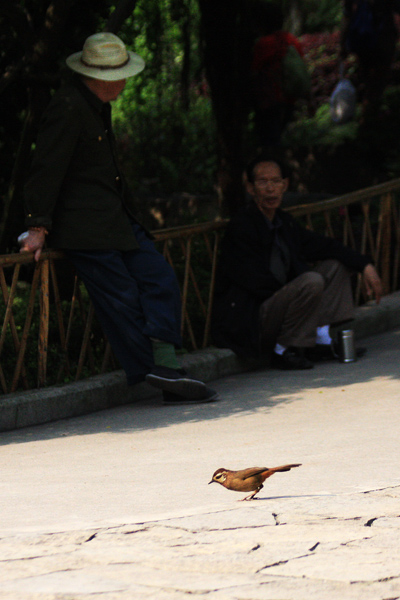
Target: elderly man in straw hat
{"points": [[77, 196]]}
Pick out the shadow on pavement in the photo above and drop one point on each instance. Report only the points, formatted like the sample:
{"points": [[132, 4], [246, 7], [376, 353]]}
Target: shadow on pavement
{"points": [[257, 391]]}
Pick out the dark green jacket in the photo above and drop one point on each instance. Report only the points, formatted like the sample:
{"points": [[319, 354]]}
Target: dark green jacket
{"points": [[75, 188]]}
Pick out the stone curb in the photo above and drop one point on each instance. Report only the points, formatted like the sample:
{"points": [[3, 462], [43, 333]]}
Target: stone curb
{"points": [[35, 407]]}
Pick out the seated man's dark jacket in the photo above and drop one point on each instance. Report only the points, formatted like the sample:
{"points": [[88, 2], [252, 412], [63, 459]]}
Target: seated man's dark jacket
{"points": [[244, 278], [75, 188]]}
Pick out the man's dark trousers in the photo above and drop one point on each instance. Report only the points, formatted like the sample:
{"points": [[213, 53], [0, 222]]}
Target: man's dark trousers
{"points": [[136, 297], [319, 297]]}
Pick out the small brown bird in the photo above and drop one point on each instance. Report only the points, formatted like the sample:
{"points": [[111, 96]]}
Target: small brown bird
{"points": [[247, 480]]}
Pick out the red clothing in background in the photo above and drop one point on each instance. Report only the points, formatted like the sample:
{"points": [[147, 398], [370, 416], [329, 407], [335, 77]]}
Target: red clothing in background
{"points": [[268, 53], [267, 46]]}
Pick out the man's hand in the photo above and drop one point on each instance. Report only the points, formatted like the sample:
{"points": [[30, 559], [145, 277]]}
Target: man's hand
{"points": [[373, 282], [34, 241]]}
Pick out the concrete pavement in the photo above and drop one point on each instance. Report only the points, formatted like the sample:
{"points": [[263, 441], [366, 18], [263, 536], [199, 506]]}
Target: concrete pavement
{"points": [[116, 504]]}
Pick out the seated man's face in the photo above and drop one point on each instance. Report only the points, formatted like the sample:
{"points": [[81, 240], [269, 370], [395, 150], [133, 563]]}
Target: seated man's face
{"points": [[268, 188]]}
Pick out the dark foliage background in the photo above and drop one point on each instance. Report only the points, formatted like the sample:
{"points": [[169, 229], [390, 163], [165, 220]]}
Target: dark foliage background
{"points": [[185, 125]]}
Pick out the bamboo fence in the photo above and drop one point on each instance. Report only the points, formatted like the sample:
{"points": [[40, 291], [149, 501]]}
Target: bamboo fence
{"points": [[47, 338]]}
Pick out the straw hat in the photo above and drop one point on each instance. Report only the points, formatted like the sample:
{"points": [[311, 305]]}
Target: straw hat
{"points": [[104, 56]]}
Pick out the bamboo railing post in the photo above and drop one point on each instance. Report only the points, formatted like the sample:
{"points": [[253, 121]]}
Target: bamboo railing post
{"points": [[86, 341], [65, 362], [187, 253], [86, 348], [211, 291], [44, 316], [328, 224], [26, 329], [386, 241], [8, 297], [58, 307], [396, 257]]}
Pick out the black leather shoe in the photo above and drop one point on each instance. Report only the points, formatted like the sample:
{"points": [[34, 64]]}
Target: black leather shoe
{"points": [[290, 360], [169, 398], [323, 352], [173, 381]]}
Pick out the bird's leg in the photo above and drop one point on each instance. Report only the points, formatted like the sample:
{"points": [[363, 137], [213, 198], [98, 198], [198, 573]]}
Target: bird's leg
{"points": [[251, 496]]}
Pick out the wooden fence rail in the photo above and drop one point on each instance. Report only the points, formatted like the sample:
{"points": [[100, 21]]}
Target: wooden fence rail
{"points": [[50, 336]]}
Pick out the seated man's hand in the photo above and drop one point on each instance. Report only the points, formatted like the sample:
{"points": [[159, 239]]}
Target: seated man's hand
{"points": [[373, 282], [34, 242]]}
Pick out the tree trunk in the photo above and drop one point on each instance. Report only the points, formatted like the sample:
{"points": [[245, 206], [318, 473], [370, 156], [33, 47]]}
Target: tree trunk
{"points": [[13, 218], [36, 68], [122, 11], [295, 19], [186, 63], [226, 46]]}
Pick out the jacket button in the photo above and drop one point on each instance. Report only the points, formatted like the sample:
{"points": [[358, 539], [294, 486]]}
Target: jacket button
{"points": [[99, 138], [117, 178]]}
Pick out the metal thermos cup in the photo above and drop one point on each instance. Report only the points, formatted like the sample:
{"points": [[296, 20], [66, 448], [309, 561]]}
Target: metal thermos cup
{"points": [[347, 351]]}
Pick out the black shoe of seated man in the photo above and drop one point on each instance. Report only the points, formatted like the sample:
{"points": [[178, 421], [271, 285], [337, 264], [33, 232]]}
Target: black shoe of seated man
{"points": [[176, 382], [169, 398], [324, 352], [290, 360]]}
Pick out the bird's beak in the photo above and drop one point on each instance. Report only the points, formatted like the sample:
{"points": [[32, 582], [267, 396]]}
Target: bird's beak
{"points": [[212, 481]]}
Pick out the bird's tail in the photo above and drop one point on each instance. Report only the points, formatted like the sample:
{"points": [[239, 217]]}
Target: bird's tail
{"points": [[284, 468]]}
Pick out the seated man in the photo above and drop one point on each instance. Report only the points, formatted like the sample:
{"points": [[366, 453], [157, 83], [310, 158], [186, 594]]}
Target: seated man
{"points": [[77, 195], [280, 286]]}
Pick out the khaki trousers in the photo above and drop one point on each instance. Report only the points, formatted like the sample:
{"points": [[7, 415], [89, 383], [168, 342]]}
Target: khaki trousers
{"points": [[319, 297]]}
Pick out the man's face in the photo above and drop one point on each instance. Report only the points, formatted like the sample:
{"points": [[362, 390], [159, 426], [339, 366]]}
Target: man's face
{"points": [[105, 90], [268, 188], [112, 89]]}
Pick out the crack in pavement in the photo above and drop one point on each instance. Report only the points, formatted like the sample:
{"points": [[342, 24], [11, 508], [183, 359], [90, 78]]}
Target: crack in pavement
{"points": [[314, 547], [282, 562], [355, 541], [383, 580], [390, 487]]}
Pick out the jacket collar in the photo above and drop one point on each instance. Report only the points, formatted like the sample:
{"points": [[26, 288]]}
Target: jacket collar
{"points": [[253, 209]]}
